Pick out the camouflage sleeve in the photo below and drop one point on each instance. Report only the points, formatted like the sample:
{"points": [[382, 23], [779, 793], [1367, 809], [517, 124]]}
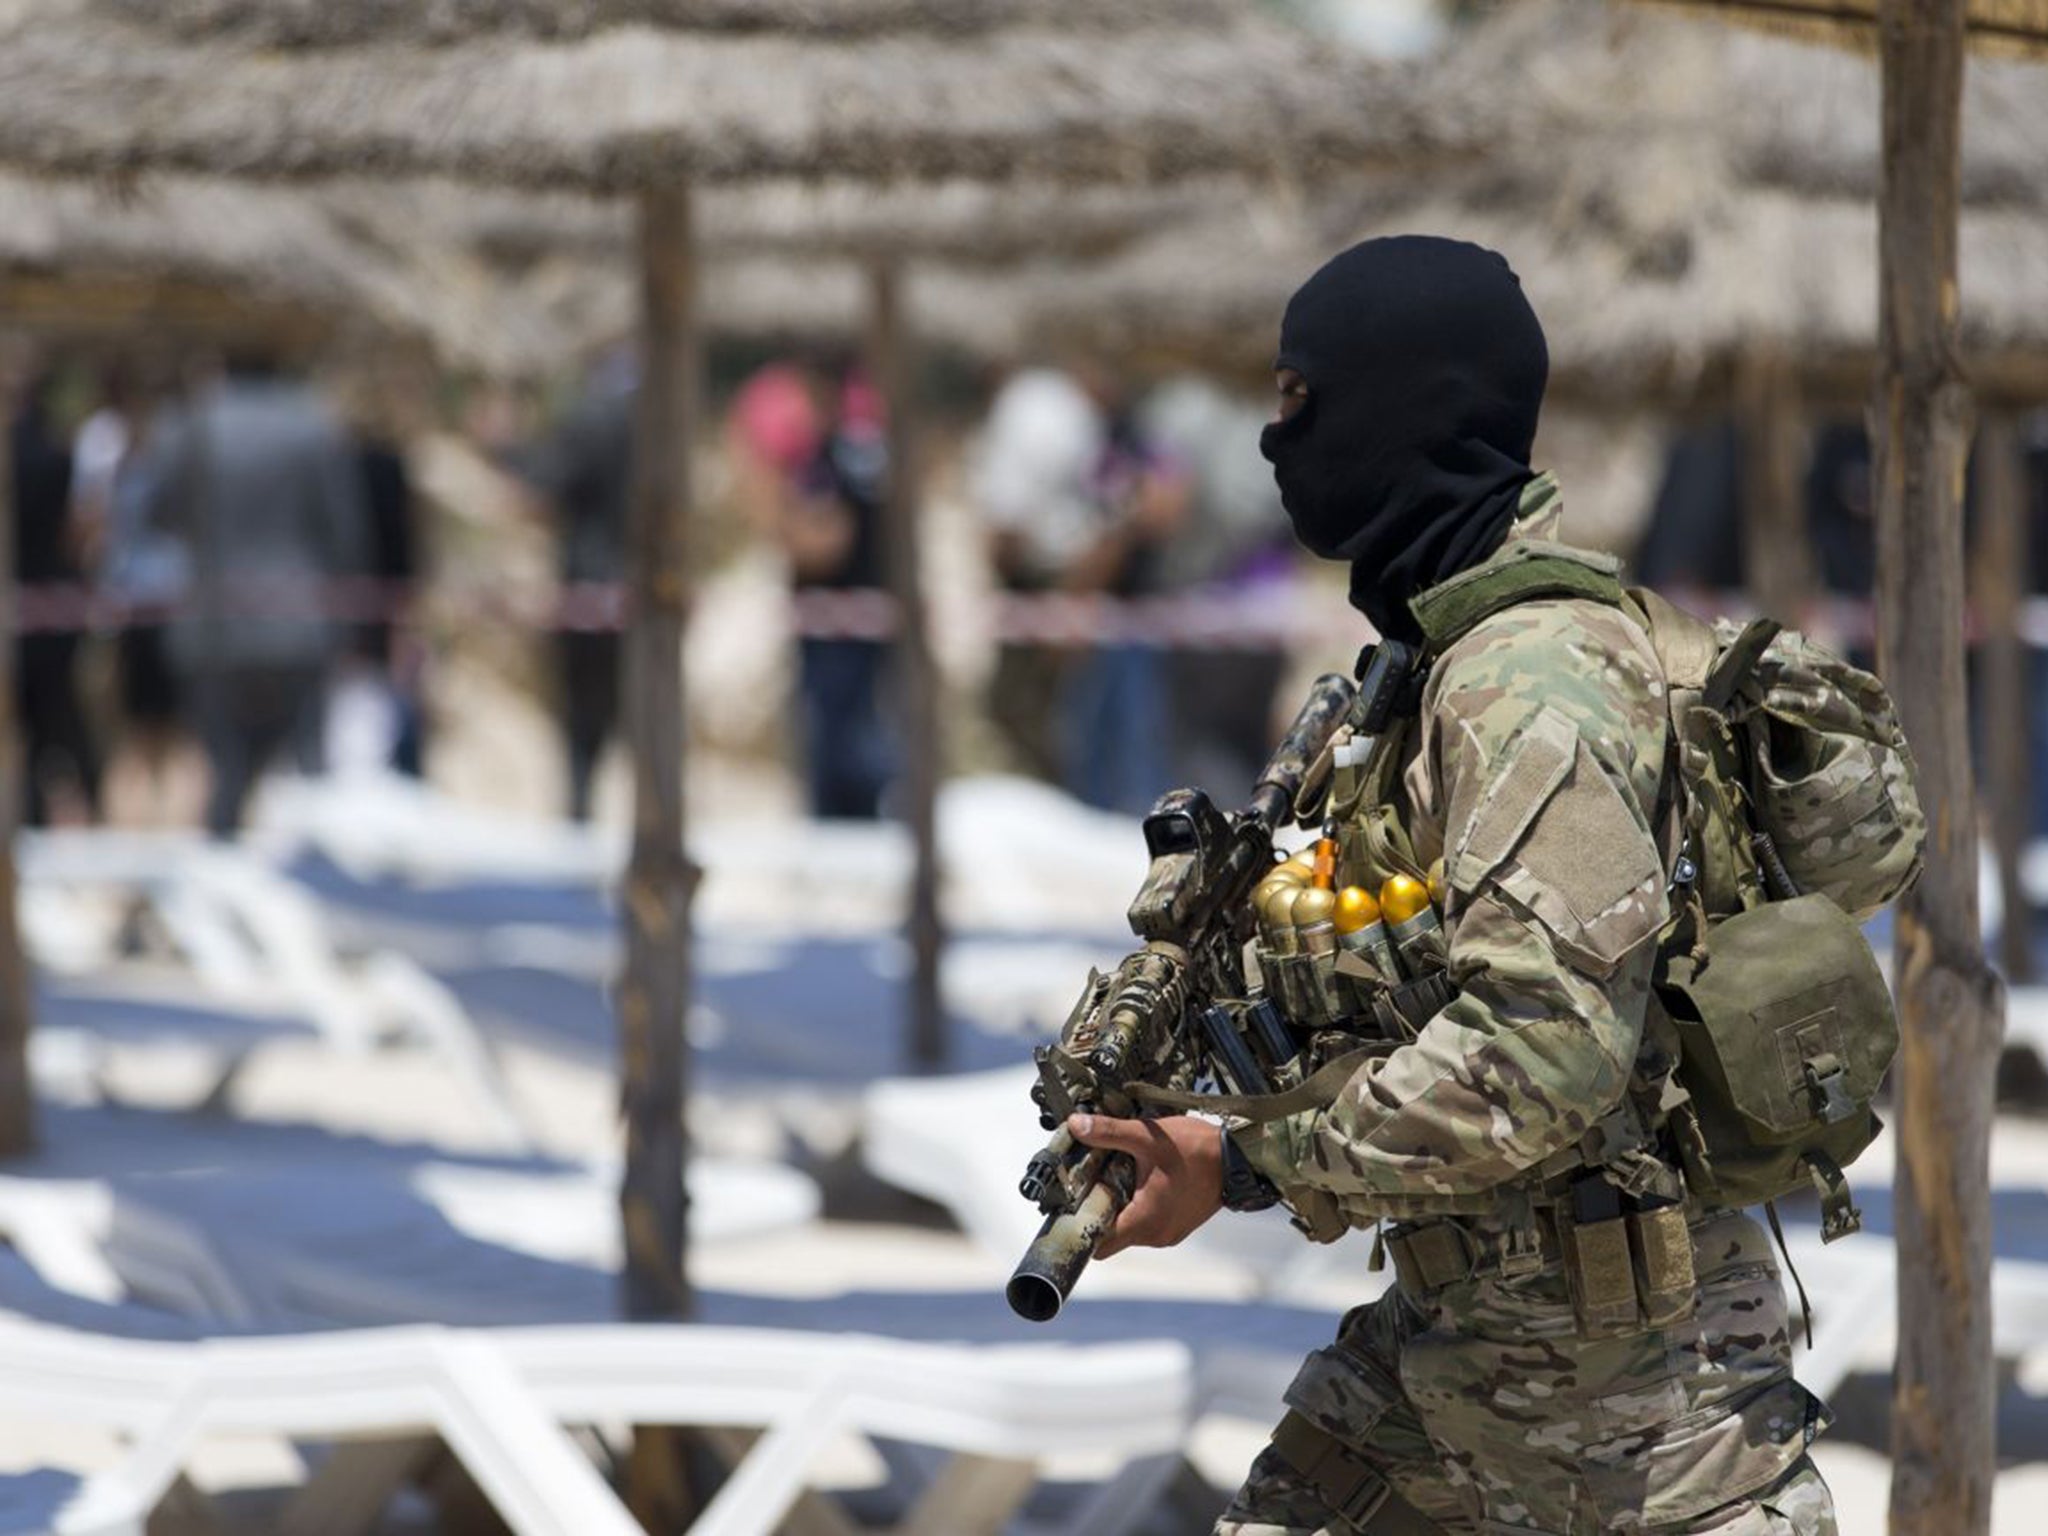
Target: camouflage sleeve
{"points": [[1542, 748]]}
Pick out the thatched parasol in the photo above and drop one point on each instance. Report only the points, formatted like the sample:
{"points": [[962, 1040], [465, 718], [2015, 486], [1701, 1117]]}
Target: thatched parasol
{"points": [[1675, 196], [217, 259], [319, 23], [633, 107], [784, 260]]}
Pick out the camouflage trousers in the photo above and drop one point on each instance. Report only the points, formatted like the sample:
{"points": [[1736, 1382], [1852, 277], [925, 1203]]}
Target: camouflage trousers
{"points": [[1485, 1411]]}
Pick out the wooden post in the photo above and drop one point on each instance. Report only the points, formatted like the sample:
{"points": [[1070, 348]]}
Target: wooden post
{"points": [[917, 675], [17, 1088], [1951, 1005], [1777, 561], [654, 993], [2000, 571]]}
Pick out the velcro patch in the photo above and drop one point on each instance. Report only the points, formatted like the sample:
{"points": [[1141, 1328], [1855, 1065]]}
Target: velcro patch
{"points": [[1535, 763]]}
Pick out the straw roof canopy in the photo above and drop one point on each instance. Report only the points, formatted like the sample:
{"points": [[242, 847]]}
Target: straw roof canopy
{"points": [[953, 222], [2009, 26], [1679, 194], [569, 308], [323, 23], [221, 259], [86, 86]]}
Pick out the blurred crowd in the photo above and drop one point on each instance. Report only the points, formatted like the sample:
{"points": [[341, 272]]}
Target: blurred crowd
{"points": [[223, 564], [213, 523]]}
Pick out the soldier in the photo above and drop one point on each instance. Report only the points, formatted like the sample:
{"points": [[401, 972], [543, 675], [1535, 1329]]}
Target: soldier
{"points": [[1481, 1393]]}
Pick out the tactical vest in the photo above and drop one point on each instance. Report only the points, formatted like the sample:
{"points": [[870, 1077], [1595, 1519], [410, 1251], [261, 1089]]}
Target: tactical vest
{"points": [[1786, 811]]}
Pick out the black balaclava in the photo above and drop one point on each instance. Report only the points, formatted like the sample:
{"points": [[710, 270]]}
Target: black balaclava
{"points": [[1425, 369]]}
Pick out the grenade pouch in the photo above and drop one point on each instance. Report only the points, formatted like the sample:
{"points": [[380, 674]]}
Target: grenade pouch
{"points": [[1786, 1028]]}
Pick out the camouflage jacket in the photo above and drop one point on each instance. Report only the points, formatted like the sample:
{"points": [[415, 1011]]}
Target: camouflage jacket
{"points": [[1533, 772]]}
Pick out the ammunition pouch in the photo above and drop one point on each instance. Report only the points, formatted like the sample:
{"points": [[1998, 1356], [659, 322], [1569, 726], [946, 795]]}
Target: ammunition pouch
{"points": [[1432, 1255], [1785, 1028], [1628, 1263], [1402, 1011]]}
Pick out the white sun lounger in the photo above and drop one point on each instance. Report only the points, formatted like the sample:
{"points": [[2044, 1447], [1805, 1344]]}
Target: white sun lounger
{"points": [[258, 941], [501, 1401]]}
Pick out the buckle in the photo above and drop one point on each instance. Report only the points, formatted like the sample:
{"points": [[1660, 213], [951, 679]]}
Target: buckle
{"points": [[1350, 1485], [1521, 1252], [1367, 1494], [1829, 1092], [1684, 872], [1839, 1217]]}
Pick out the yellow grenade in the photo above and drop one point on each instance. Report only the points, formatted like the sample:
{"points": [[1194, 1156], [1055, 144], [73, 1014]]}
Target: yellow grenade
{"points": [[1313, 914], [1360, 931], [1412, 924], [1356, 908], [1275, 904]]}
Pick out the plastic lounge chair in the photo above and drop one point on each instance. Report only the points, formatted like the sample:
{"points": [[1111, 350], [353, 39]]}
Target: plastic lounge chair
{"points": [[306, 1246], [500, 1401], [349, 1273], [216, 1218], [31, 1504], [378, 823], [259, 943]]}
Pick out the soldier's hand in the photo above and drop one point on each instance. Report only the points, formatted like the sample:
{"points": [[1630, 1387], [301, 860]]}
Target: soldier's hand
{"points": [[1180, 1176]]}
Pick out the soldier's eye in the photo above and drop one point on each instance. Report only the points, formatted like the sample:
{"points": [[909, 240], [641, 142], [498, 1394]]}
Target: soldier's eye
{"points": [[1293, 390]]}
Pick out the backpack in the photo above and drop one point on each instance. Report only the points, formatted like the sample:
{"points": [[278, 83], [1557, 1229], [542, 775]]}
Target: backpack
{"points": [[1791, 796], [1789, 815]]}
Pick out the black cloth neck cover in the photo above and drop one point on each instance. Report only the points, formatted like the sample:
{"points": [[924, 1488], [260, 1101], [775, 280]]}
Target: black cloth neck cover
{"points": [[1425, 369]]}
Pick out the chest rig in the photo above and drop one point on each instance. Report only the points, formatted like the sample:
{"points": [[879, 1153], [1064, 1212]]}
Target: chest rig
{"points": [[1611, 1207]]}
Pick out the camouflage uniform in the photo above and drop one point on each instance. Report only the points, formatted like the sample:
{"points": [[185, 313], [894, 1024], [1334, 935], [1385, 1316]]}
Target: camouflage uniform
{"points": [[1534, 773]]}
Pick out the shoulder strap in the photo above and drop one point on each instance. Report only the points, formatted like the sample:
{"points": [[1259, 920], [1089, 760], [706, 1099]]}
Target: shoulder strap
{"points": [[1685, 644], [1318, 1092], [1451, 610]]}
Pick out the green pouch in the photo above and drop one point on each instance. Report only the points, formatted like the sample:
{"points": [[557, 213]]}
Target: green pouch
{"points": [[1785, 1030]]}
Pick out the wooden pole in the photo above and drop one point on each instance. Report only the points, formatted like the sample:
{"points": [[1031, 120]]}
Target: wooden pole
{"points": [[17, 1089], [654, 993], [2000, 572], [1951, 1005], [1777, 562], [917, 675]]}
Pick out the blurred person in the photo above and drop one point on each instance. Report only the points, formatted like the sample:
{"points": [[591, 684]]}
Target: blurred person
{"points": [[150, 776], [385, 659], [260, 483], [1841, 509], [1233, 545], [60, 759], [1037, 452], [813, 450], [1079, 500], [1691, 545], [584, 467]]}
